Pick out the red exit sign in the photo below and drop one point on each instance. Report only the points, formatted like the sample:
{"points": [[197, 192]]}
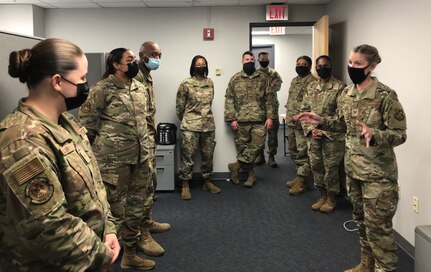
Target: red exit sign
{"points": [[276, 12]]}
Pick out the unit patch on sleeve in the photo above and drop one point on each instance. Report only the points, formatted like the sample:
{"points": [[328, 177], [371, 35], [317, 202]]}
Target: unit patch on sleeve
{"points": [[39, 190], [399, 115]]}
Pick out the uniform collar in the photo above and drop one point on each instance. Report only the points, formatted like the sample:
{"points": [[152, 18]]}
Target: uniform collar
{"points": [[369, 93], [55, 129], [255, 74]]}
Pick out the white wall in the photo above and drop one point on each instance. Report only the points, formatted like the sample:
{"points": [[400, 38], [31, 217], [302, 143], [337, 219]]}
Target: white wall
{"points": [[286, 50], [179, 33], [400, 30], [17, 19]]}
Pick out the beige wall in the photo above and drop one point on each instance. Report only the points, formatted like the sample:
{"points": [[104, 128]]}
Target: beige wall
{"points": [[400, 30]]}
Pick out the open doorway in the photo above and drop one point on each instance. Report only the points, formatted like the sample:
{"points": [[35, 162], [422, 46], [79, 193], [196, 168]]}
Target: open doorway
{"points": [[284, 48]]}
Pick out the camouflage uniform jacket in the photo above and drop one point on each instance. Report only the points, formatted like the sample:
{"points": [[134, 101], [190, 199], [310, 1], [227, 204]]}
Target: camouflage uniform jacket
{"points": [[194, 100], [297, 90], [115, 115], [322, 98], [249, 98], [145, 78], [274, 83], [53, 207], [378, 107]]}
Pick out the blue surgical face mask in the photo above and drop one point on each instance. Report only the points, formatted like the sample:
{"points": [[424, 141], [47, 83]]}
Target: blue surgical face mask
{"points": [[152, 63]]}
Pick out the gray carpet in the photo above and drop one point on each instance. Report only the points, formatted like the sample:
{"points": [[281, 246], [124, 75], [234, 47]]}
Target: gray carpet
{"points": [[258, 229]]}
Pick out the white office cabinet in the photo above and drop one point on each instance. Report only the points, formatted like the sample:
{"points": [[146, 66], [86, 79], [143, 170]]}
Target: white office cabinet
{"points": [[165, 167]]}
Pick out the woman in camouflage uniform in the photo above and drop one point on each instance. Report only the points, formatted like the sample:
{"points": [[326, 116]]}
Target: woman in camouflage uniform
{"points": [[375, 123], [194, 99], [325, 147], [54, 215], [115, 115]]}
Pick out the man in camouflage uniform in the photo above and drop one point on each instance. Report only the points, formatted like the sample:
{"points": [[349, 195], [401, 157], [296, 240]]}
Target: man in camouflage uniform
{"points": [[297, 141], [115, 115], [249, 108], [325, 147], [275, 85], [149, 55], [193, 107], [375, 123]]}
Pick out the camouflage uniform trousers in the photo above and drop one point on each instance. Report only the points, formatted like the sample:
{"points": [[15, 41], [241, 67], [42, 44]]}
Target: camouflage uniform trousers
{"points": [[325, 158], [249, 140], [374, 206], [297, 143], [273, 137], [151, 189], [191, 141], [127, 197]]}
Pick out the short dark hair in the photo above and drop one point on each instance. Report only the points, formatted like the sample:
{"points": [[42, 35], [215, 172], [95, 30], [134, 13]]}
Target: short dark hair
{"points": [[247, 53], [306, 58], [192, 66], [327, 58], [262, 53]]}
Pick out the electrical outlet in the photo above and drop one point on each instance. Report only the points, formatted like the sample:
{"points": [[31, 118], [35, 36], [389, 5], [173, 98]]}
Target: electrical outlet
{"points": [[416, 204]]}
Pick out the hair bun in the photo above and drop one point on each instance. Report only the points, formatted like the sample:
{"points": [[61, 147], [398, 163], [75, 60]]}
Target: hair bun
{"points": [[19, 64]]}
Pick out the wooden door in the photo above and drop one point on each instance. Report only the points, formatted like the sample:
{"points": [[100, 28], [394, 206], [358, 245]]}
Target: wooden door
{"points": [[320, 38]]}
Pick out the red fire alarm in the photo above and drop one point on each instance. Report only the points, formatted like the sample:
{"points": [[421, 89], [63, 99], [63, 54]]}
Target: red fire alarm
{"points": [[208, 34]]}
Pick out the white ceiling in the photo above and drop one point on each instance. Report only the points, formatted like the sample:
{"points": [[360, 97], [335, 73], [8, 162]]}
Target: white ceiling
{"points": [[151, 3]]}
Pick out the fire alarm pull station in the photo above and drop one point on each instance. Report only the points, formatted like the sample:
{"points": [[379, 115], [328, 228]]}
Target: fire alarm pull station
{"points": [[208, 34]]}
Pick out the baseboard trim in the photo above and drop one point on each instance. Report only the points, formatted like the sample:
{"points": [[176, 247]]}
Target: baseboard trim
{"points": [[404, 245]]}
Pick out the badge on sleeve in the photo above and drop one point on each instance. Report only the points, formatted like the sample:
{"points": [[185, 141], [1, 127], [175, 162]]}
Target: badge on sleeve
{"points": [[399, 115], [39, 190], [86, 107]]}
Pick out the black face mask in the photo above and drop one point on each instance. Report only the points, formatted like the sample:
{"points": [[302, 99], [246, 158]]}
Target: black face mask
{"points": [[248, 68], [202, 71], [302, 70], [324, 72], [133, 69], [82, 90], [357, 75], [264, 63]]}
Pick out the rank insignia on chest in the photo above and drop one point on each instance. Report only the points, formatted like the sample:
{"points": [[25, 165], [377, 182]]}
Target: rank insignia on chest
{"points": [[39, 190], [355, 112]]}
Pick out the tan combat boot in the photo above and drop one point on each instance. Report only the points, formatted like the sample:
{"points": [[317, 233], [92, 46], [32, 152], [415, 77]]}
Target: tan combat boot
{"points": [[209, 186], [234, 171], [366, 264], [320, 202], [299, 187], [148, 245], [251, 179], [272, 162], [292, 182], [185, 190], [131, 260], [157, 227], [329, 205]]}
